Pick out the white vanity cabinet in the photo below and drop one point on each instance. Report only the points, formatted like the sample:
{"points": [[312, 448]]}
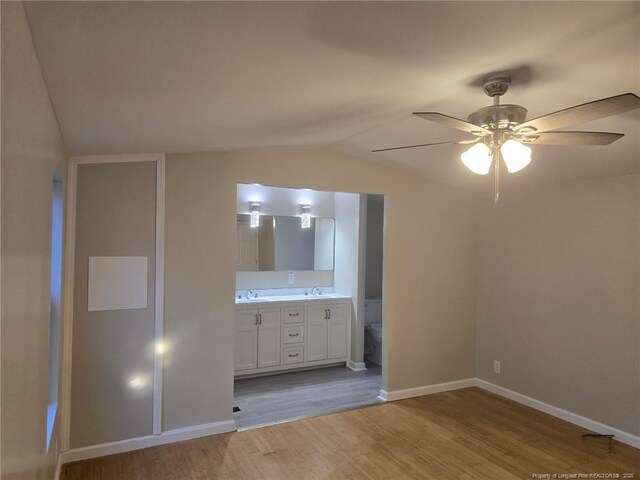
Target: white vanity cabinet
{"points": [[337, 331], [316, 332], [276, 335], [326, 331], [257, 338]]}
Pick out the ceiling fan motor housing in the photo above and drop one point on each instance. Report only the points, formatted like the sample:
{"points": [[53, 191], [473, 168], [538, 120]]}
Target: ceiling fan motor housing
{"points": [[499, 117], [496, 86]]}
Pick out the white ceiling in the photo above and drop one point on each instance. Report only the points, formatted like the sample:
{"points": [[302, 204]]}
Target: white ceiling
{"points": [[129, 77]]}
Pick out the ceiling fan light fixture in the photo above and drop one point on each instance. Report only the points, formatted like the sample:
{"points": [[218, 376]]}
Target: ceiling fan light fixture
{"points": [[478, 159], [515, 155]]}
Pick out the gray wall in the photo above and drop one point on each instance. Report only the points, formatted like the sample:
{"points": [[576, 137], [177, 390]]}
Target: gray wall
{"points": [[558, 297], [115, 216], [430, 290], [32, 148], [375, 223], [199, 316]]}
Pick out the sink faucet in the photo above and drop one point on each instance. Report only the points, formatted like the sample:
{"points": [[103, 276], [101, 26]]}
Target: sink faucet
{"points": [[316, 291]]}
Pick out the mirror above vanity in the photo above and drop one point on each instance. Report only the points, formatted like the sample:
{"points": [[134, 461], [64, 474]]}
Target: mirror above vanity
{"points": [[279, 243]]}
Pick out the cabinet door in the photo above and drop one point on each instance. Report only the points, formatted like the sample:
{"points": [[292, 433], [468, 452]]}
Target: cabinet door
{"points": [[337, 331], [246, 340], [269, 337], [316, 345]]}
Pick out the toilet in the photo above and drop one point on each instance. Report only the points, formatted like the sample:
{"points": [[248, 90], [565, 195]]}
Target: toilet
{"points": [[373, 328]]}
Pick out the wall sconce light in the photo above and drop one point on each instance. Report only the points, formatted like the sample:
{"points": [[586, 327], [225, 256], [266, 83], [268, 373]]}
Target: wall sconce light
{"points": [[305, 216], [254, 208]]}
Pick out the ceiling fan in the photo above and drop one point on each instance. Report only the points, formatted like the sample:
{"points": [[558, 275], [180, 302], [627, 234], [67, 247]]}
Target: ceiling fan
{"points": [[503, 129]]}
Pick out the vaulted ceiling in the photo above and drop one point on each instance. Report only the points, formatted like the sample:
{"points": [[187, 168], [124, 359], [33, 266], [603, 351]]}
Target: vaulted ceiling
{"points": [[128, 77]]}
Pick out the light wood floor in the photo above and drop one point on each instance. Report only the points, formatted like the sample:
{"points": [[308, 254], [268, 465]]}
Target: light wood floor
{"points": [[464, 434], [277, 398]]}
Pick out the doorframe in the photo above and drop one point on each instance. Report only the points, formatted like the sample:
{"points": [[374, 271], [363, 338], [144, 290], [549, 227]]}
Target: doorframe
{"points": [[68, 274]]}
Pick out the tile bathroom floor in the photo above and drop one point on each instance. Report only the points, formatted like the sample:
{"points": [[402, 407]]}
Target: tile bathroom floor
{"points": [[295, 395]]}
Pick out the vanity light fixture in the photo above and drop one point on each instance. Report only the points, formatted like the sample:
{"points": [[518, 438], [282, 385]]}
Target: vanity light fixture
{"points": [[305, 216], [254, 208]]}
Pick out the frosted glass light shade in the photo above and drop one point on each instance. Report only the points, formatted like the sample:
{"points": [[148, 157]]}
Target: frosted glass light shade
{"points": [[516, 155], [254, 219], [478, 159], [305, 216]]}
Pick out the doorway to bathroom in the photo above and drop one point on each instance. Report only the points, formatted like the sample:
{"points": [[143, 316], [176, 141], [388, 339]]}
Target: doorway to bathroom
{"points": [[303, 260]]}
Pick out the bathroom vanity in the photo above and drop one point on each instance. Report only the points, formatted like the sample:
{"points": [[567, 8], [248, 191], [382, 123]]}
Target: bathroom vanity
{"points": [[287, 332]]}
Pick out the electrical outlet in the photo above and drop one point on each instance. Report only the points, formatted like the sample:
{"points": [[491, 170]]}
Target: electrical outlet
{"points": [[292, 278], [496, 366]]}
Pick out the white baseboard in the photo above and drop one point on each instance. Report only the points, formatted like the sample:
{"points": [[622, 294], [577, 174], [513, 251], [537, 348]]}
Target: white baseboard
{"points": [[356, 366], [565, 415], [426, 389], [170, 436]]}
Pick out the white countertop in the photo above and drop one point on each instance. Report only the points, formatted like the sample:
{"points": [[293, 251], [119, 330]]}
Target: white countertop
{"points": [[290, 298]]}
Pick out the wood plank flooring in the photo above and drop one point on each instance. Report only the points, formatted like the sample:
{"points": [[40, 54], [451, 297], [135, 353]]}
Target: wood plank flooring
{"points": [[464, 434], [277, 398]]}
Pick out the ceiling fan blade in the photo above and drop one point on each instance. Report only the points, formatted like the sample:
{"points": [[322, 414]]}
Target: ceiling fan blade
{"points": [[572, 138], [453, 122], [463, 142], [582, 113]]}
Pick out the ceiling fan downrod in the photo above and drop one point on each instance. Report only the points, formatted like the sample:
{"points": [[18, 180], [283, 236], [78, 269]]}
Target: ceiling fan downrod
{"points": [[495, 87], [496, 166]]}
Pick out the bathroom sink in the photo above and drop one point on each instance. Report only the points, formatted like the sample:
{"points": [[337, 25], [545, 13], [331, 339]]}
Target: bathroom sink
{"points": [[290, 298]]}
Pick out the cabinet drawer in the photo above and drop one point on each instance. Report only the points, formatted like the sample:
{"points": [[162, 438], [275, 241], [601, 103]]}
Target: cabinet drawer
{"points": [[294, 334], [293, 355], [293, 314]]}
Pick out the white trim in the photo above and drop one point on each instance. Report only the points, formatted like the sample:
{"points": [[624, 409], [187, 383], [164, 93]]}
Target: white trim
{"points": [[58, 471], [69, 272], [158, 323], [390, 396], [565, 415], [356, 366], [584, 422], [137, 157], [67, 305], [172, 436]]}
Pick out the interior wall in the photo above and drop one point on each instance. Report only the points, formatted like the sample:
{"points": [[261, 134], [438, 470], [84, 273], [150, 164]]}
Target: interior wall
{"points": [[558, 285], [375, 222], [199, 315], [429, 285], [348, 259], [115, 217], [32, 148]]}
